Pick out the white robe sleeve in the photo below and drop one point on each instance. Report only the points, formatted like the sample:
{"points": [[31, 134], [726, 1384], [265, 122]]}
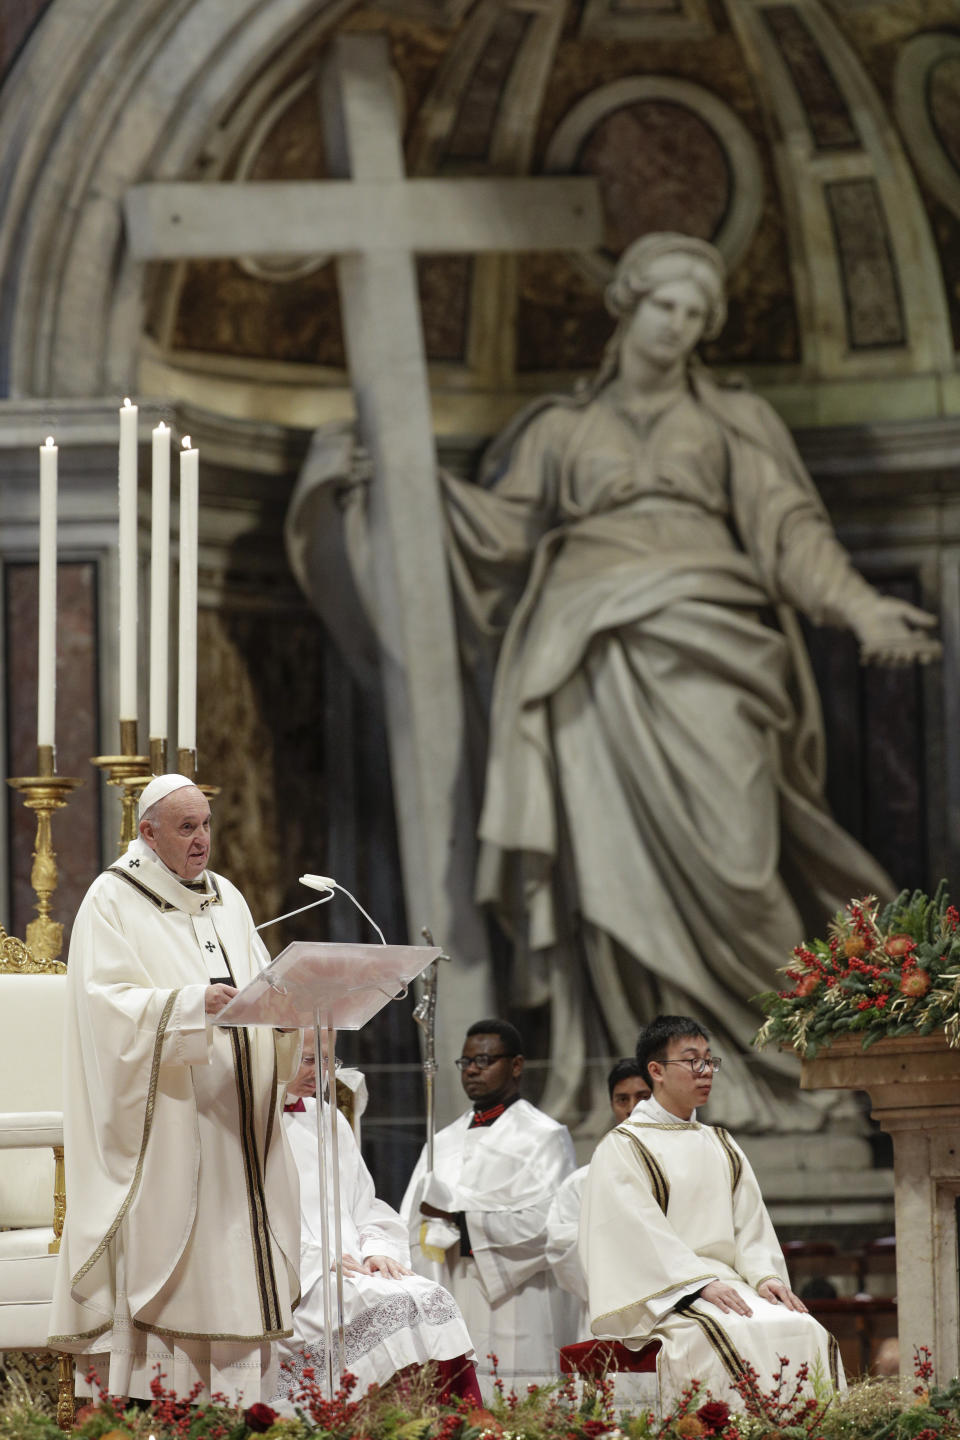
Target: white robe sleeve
{"points": [[381, 1230], [563, 1233], [759, 1256], [510, 1246]]}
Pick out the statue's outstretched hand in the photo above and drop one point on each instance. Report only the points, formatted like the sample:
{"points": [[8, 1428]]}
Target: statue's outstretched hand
{"points": [[893, 632]]}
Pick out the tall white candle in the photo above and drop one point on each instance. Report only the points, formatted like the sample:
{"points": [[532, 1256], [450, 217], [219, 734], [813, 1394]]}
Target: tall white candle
{"points": [[187, 650], [159, 582], [47, 617], [128, 561]]}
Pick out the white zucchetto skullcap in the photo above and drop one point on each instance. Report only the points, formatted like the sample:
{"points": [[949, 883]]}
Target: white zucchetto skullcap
{"points": [[159, 788]]}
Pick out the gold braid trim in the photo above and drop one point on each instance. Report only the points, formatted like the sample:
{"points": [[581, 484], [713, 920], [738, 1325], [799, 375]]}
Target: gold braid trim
{"points": [[53, 1340], [716, 1336], [693, 1280], [736, 1164], [658, 1180], [210, 1334], [147, 1125]]}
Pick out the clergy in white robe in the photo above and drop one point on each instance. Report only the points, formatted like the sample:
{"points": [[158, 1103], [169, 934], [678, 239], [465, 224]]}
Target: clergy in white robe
{"points": [[181, 1241], [392, 1318], [626, 1086], [677, 1244], [478, 1220]]}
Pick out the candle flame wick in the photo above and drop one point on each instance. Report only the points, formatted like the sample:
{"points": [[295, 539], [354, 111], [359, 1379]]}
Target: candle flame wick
{"points": [[186, 442], [49, 441], [127, 403]]}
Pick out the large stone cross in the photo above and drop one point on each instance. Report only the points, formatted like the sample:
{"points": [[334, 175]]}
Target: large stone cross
{"points": [[375, 222]]}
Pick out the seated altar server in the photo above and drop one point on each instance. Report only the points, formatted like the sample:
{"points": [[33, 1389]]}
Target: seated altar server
{"points": [[392, 1318], [478, 1220], [626, 1087], [676, 1241], [180, 1246]]}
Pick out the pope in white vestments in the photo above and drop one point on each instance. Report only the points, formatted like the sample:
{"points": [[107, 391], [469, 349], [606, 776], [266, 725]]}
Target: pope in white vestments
{"points": [[181, 1240], [392, 1318], [478, 1220], [677, 1244]]}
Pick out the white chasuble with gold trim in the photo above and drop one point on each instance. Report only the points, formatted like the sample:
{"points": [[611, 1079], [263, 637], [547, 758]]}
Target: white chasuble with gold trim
{"points": [[668, 1206], [181, 1243]]}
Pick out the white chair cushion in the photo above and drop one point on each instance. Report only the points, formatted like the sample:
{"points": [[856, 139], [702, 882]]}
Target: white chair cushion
{"points": [[35, 1240], [31, 1080], [26, 1285]]}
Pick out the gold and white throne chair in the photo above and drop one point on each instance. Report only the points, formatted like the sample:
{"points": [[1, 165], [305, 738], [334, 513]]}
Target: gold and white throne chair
{"points": [[32, 1194]]}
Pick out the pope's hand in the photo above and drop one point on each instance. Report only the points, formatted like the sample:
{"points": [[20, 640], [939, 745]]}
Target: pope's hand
{"points": [[779, 1294], [351, 1266], [725, 1298], [216, 997], [384, 1265], [891, 632]]}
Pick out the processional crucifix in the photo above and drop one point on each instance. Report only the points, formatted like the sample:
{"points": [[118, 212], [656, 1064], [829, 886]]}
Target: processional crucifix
{"points": [[374, 221]]}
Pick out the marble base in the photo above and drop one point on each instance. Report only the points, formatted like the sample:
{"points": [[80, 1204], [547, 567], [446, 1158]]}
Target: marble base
{"points": [[914, 1086]]}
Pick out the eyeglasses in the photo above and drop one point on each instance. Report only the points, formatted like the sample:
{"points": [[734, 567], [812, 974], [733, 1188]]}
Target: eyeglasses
{"points": [[480, 1061], [701, 1065]]}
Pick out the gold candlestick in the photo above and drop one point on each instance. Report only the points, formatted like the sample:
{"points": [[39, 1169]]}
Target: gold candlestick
{"points": [[44, 794], [187, 763], [158, 756], [133, 773]]}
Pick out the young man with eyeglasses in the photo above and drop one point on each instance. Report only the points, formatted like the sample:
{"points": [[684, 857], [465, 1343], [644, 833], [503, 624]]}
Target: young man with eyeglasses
{"points": [[478, 1220], [676, 1241]]}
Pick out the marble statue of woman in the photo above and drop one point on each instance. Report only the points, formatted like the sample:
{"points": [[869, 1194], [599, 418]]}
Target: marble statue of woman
{"points": [[654, 834]]}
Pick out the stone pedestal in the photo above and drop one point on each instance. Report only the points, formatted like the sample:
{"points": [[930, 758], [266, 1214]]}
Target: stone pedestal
{"points": [[914, 1088]]}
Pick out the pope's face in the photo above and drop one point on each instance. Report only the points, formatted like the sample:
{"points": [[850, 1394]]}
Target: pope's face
{"points": [[676, 1086], [667, 324], [179, 831], [626, 1094]]}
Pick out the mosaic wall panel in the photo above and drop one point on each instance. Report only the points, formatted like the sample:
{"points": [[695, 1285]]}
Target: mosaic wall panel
{"points": [[831, 124], [874, 312]]}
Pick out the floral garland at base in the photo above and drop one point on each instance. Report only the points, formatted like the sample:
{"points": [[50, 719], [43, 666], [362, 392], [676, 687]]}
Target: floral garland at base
{"points": [[881, 973], [407, 1409]]}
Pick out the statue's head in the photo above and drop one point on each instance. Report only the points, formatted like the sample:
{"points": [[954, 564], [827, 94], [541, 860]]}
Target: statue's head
{"points": [[660, 258]]}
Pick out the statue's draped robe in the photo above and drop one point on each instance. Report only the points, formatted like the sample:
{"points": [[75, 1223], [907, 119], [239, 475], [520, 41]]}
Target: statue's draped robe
{"points": [[668, 1206], [502, 1177], [181, 1240], [654, 783], [388, 1324]]}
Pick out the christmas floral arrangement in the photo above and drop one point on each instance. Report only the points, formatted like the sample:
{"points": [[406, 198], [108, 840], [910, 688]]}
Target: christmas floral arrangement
{"points": [[803, 1409], [880, 972]]}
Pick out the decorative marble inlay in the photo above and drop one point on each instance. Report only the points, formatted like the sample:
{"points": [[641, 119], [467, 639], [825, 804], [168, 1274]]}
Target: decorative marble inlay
{"points": [[830, 121], [874, 311], [660, 167], [473, 128]]}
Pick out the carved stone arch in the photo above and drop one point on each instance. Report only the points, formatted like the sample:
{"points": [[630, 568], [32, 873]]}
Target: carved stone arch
{"points": [[928, 72], [145, 92]]}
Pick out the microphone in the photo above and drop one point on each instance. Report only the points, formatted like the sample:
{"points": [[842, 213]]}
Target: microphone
{"points": [[326, 885]]}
